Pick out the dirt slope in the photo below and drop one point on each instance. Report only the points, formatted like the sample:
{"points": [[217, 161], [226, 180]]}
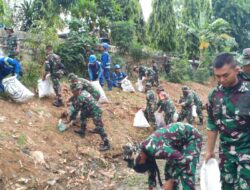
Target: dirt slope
{"points": [[70, 162]]}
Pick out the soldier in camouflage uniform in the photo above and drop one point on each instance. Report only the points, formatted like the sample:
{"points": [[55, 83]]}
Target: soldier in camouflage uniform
{"points": [[156, 70], [159, 89], [146, 72], [12, 44], [228, 115], [244, 63], [55, 68], [168, 107], [86, 104], [180, 145], [87, 86], [186, 101], [198, 103], [151, 105]]}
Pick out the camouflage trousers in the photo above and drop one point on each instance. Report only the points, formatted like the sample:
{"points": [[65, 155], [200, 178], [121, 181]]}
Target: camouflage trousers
{"points": [[97, 119], [57, 86], [235, 171], [149, 114], [186, 113], [169, 118]]}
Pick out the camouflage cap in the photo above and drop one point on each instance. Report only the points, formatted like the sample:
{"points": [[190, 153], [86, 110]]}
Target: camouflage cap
{"points": [[75, 86], [72, 76], [245, 58], [185, 88]]}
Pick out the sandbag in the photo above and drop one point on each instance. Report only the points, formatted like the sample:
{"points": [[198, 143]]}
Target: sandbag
{"points": [[140, 120], [45, 88], [127, 85], [194, 111], [16, 90], [210, 175], [159, 118], [139, 85], [103, 97]]}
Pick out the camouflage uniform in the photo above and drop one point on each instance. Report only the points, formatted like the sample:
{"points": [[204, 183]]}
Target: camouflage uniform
{"points": [[228, 113], [180, 145], [11, 46], [147, 72], [244, 61], [151, 107], [169, 109], [198, 103], [156, 75], [54, 66], [186, 111], [86, 104]]}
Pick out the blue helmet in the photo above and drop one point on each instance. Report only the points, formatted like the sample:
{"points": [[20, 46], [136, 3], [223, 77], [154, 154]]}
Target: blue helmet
{"points": [[117, 66], [105, 45], [92, 58]]}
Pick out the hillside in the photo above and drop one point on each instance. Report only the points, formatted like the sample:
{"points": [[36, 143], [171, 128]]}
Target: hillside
{"points": [[71, 162]]}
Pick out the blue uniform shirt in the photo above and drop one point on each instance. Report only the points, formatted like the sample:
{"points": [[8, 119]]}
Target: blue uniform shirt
{"points": [[117, 77], [105, 59], [8, 66], [95, 71]]}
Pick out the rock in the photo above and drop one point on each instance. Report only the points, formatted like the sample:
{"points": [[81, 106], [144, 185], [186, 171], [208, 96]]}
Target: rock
{"points": [[2, 119], [51, 182], [38, 157]]}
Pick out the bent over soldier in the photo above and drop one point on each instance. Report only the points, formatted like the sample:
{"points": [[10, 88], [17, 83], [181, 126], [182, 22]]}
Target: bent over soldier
{"points": [[83, 101], [180, 145]]}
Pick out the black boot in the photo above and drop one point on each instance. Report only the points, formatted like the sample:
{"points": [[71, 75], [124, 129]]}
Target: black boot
{"points": [[58, 103], [105, 146], [80, 132]]}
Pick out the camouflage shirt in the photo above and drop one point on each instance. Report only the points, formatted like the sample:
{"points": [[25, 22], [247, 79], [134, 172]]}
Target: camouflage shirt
{"points": [[244, 76], [167, 106], [170, 143], [229, 113], [151, 101], [84, 103], [11, 45], [86, 85], [145, 72], [188, 100], [54, 66]]}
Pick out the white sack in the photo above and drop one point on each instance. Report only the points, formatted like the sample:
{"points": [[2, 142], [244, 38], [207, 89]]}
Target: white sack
{"points": [[16, 90], [103, 97], [140, 120], [159, 118], [127, 85], [45, 88], [139, 85], [210, 175], [194, 111]]}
